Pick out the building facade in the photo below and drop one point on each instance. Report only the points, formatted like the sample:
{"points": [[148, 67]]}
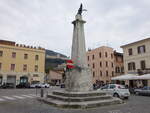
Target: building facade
{"points": [[137, 58], [118, 63], [20, 63], [103, 63], [55, 77]]}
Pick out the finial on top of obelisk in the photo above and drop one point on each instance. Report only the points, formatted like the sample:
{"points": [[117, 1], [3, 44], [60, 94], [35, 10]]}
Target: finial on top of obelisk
{"points": [[80, 10]]}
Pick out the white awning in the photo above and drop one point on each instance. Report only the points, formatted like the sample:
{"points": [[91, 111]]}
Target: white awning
{"points": [[144, 77], [126, 77]]}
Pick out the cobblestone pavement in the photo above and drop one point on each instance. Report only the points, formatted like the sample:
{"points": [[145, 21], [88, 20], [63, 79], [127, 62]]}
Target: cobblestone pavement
{"points": [[29, 104]]}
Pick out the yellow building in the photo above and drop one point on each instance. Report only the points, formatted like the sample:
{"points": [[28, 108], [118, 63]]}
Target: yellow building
{"points": [[20, 63]]}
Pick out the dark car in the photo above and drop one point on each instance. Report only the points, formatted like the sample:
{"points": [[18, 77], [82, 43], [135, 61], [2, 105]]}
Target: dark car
{"points": [[23, 85], [8, 85], [62, 86], [145, 91]]}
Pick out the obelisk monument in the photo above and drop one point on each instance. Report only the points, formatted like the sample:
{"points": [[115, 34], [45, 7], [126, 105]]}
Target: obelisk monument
{"points": [[78, 91], [79, 79]]}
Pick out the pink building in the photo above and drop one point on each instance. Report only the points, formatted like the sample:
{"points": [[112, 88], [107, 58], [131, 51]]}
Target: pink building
{"points": [[102, 61]]}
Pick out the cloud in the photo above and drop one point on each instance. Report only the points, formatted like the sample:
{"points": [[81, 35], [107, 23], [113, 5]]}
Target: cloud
{"points": [[48, 23]]}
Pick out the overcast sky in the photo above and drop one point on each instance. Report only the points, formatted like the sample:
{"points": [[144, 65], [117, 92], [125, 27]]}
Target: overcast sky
{"points": [[47, 23]]}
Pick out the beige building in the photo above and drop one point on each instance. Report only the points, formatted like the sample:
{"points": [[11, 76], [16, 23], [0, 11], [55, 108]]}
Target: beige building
{"points": [[55, 77], [137, 58], [103, 63], [20, 63]]}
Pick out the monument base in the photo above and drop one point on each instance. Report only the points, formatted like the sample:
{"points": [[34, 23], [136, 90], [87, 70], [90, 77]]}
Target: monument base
{"points": [[80, 100], [79, 80]]}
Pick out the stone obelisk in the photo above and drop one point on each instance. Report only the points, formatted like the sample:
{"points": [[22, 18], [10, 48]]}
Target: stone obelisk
{"points": [[79, 92], [79, 79]]}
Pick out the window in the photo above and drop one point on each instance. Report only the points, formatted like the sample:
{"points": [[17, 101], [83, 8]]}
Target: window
{"points": [[1, 53], [12, 68], [100, 73], [13, 54], [25, 67], [111, 55], [93, 57], [1, 79], [141, 49], [122, 69], [143, 66], [130, 51], [106, 73], [35, 75], [88, 58], [100, 55], [100, 64], [105, 54], [131, 66], [36, 68], [0, 66], [93, 65], [112, 65], [25, 56], [93, 74], [105, 87], [36, 57], [106, 64], [118, 70], [112, 73], [112, 86]]}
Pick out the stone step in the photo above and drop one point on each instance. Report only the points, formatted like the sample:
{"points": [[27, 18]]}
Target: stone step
{"points": [[78, 99], [79, 94], [83, 105]]}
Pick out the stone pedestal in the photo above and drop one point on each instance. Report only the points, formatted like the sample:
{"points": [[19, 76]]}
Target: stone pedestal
{"points": [[78, 80], [80, 100]]}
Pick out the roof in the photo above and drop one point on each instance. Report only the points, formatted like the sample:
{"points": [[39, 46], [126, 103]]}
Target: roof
{"points": [[6, 42], [135, 42], [101, 47], [118, 54]]}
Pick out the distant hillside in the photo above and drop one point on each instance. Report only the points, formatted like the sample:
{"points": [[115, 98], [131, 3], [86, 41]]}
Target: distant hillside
{"points": [[53, 59], [53, 53]]}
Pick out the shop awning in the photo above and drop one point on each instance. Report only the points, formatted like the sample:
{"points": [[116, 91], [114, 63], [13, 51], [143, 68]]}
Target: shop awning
{"points": [[126, 77], [144, 77]]}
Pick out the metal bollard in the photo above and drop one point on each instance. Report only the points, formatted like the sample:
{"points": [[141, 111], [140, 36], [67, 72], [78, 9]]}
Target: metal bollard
{"points": [[42, 92]]}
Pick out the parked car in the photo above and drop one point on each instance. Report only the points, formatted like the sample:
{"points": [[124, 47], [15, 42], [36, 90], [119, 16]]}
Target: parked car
{"points": [[62, 85], [44, 85], [116, 90], [145, 91], [39, 85], [34, 85], [23, 85], [8, 85]]}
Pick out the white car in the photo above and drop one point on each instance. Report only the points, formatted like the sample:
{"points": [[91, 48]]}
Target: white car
{"points": [[34, 85], [116, 90], [45, 85]]}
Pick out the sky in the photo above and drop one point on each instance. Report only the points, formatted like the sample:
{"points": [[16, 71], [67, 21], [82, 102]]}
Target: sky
{"points": [[47, 23]]}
